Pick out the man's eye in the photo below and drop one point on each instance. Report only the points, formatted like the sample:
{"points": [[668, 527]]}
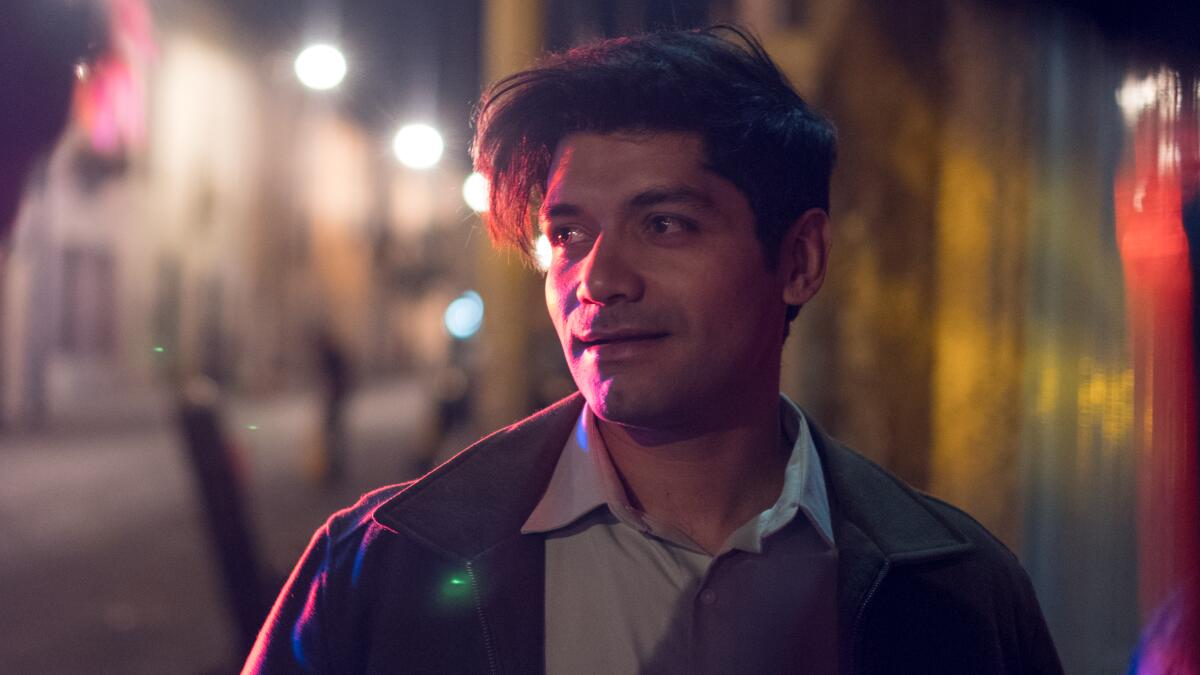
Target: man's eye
{"points": [[667, 225], [563, 235]]}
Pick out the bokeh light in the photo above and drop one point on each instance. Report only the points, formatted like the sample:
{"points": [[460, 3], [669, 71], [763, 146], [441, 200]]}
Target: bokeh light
{"points": [[418, 146], [475, 192], [543, 252], [464, 315], [320, 67]]}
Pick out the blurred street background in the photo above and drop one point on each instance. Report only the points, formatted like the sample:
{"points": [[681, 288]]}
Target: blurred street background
{"points": [[104, 556], [249, 281]]}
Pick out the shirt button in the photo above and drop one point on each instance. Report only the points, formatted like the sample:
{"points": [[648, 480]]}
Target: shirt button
{"points": [[708, 597]]}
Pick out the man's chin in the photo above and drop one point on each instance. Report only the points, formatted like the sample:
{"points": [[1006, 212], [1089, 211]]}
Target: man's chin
{"points": [[634, 408]]}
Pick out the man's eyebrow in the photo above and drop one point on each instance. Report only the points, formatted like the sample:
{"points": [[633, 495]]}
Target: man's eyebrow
{"points": [[559, 210], [676, 194]]}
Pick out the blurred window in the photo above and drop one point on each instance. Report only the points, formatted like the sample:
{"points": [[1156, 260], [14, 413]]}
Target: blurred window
{"points": [[87, 302]]}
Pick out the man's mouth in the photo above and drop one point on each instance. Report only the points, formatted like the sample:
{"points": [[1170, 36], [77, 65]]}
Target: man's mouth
{"points": [[597, 339]]}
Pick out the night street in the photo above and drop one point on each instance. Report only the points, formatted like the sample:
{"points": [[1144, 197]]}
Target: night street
{"points": [[898, 294], [104, 558]]}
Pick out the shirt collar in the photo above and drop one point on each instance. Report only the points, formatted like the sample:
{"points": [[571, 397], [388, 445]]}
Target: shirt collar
{"points": [[585, 479], [575, 488]]}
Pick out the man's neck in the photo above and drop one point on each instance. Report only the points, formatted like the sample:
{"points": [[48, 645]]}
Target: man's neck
{"points": [[706, 484]]}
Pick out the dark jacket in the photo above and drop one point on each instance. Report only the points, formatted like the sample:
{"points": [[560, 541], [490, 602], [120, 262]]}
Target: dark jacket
{"points": [[434, 575]]}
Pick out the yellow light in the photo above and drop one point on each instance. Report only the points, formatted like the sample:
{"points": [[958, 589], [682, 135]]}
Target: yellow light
{"points": [[418, 146], [320, 67]]}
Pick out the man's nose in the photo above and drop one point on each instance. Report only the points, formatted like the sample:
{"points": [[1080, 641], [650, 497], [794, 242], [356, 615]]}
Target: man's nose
{"points": [[609, 273]]}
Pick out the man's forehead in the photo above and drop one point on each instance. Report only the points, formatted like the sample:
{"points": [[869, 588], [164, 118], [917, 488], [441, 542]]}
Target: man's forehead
{"points": [[637, 162], [681, 143]]}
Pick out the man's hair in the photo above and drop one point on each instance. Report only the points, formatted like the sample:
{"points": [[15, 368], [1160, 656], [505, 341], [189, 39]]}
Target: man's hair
{"points": [[717, 82]]}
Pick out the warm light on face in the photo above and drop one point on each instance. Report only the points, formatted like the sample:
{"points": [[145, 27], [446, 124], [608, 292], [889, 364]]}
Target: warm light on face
{"points": [[320, 67], [475, 192], [418, 146]]}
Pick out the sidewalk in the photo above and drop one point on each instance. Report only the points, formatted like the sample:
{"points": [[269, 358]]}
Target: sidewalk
{"points": [[105, 561]]}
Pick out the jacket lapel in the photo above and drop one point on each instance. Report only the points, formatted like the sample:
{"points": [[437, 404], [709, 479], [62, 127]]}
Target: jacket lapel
{"points": [[471, 509]]}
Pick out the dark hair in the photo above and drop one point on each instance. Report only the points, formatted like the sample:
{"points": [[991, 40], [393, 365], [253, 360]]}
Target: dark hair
{"points": [[717, 82]]}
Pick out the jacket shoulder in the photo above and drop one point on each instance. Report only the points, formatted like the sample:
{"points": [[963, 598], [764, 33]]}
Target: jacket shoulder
{"points": [[969, 527], [353, 521]]}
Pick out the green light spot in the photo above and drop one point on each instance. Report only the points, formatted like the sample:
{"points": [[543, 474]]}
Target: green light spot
{"points": [[159, 350], [252, 427], [455, 590]]}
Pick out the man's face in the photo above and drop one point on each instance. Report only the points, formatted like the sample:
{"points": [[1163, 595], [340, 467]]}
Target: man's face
{"points": [[658, 286]]}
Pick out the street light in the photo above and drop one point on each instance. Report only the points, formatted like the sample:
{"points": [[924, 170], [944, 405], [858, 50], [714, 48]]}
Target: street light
{"points": [[418, 146], [464, 316], [475, 192], [320, 67]]}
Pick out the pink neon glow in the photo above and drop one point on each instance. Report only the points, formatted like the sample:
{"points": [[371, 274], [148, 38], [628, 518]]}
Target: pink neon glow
{"points": [[110, 100]]}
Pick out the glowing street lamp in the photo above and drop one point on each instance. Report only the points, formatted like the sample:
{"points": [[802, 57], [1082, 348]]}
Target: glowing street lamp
{"points": [[464, 316], [320, 67], [475, 192], [418, 146]]}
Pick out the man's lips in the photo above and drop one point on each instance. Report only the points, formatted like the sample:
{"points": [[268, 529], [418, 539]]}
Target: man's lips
{"points": [[597, 339]]}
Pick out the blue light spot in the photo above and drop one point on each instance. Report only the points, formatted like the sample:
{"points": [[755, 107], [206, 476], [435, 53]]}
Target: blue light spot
{"points": [[298, 650], [464, 316], [581, 436]]}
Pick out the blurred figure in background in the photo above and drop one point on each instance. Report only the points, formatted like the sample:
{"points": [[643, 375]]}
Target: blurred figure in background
{"points": [[329, 458], [44, 45]]}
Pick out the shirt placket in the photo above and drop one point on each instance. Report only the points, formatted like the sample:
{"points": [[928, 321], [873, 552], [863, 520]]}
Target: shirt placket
{"points": [[706, 603]]}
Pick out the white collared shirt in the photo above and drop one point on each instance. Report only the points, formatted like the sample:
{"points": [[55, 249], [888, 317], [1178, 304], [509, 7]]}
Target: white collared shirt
{"points": [[627, 593]]}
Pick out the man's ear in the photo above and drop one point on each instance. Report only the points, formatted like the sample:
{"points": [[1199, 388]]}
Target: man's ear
{"points": [[802, 256]]}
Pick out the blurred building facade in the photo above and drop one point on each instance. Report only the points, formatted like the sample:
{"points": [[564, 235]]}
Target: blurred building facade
{"points": [[972, 334], [243, 217]]}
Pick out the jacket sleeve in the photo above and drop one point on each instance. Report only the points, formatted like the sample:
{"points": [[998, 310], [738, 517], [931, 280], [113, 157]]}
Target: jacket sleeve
{"points": [[291, 640]]}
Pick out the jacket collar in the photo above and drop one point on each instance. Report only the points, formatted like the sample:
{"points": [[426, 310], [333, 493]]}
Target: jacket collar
{"points": [[484, 494], [892, 516]]}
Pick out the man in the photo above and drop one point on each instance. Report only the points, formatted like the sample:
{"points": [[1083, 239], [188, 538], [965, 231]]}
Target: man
{"points": [[677, 514]]}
